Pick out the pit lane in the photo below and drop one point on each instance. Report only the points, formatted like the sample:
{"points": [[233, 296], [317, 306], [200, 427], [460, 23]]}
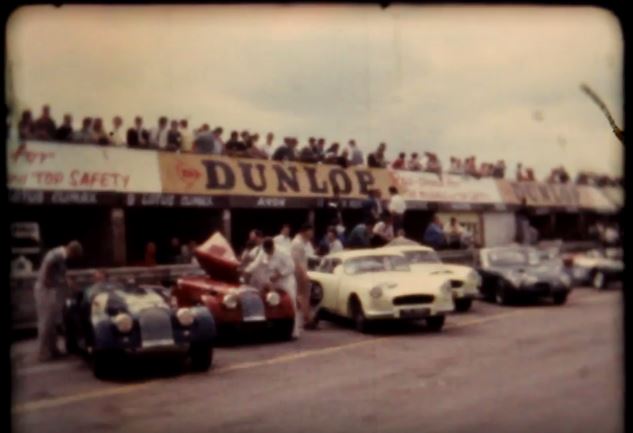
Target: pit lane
{"points": [[484, 366]]}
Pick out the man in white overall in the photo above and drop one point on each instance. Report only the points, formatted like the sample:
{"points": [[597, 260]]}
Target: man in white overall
{"points": [[275, 268], [50, 288]]}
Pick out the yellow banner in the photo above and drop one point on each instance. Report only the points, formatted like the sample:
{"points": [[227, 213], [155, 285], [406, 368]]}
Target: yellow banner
{"points": [[540, 194], [220, 175]]}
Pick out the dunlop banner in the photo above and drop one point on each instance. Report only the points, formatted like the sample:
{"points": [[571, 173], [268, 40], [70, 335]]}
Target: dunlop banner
{"points": [[220, 175]]}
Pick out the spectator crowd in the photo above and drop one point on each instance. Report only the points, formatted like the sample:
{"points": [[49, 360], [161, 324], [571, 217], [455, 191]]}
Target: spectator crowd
{"points": [[175, 135]]}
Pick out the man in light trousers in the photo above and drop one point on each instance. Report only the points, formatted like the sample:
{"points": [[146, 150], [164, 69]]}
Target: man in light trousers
{"points": [[50, 289], [300, 249]]}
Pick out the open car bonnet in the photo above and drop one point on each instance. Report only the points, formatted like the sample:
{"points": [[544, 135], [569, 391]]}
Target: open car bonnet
{"points": [[217, 258]]}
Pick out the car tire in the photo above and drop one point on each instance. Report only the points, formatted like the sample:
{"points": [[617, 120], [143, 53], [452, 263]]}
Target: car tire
{"points": [[435, 323], [358, 316], [70, 343], [598, 280], [201, 356], [284, 329], [102, 364], [70, 339], [463, 305], [560, 298], [316, 294], [503, 296]]}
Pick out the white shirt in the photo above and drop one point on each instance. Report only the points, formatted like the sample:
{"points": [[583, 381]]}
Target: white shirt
{"points": [[116, 137], [384, 230], [335, 246], [265, 149], [300, 251], [265, 266], [158, 137], [186, 142], [282, 242], [397, 204]]}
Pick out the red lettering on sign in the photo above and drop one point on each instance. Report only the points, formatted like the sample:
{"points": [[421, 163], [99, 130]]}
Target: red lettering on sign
{"points": [[187, 174], [97, 179], [17, 179], [29, 155], [48, 177]]}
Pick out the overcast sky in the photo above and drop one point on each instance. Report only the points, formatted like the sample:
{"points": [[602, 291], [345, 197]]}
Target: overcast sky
{"points": [[490, 81]]}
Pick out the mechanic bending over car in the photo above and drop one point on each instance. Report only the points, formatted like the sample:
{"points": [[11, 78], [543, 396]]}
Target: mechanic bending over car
{"points": [[50, 289], [273, 268]]}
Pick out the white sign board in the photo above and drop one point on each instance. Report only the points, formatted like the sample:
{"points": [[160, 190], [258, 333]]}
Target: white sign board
{"points": [[56, 166]]}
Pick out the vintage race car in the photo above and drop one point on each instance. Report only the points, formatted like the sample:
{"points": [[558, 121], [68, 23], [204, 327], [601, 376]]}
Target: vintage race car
{"points": [[109, 320], [234, 305], [597, 267], [513, 272], [369, 285], [464, 280]]}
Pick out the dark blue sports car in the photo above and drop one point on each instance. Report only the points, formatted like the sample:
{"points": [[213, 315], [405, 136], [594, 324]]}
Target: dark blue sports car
{"points": [[513, 272], [110, 320]]}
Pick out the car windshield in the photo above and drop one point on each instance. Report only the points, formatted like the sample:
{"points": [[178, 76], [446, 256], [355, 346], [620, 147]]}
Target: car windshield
{"points": [[377, 263], [422, 256], [514, 257]]}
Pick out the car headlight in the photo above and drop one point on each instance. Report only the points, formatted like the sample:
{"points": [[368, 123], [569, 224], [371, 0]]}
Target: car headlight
{"points": [[376, 292], [474, 278], [230, 301], [123, 322], [273, 299], [185, 316], [565, 279], [446, 290]]}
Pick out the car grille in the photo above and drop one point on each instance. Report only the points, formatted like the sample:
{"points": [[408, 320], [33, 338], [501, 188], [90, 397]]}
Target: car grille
{"points": [[456, 284], [155, 324], [252, 306], [413, 299]]}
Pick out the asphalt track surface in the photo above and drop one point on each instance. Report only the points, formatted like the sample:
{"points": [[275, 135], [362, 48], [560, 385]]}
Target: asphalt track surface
{"points": [[528, 368]]}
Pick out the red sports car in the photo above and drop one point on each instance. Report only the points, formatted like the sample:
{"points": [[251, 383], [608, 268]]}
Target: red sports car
{"points": [[234, 305]]}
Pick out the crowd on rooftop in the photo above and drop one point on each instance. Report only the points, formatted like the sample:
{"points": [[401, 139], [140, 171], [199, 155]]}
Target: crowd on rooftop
{"points": [[175, 135]]}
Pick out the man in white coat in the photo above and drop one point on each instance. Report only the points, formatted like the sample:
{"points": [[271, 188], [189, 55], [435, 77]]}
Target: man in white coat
{"points": [[275, 269]]}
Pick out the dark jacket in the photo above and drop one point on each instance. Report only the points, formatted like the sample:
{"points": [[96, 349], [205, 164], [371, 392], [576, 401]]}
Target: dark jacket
{"points": [[64, 133], [434, 236], [133, 139], [283, 153]]}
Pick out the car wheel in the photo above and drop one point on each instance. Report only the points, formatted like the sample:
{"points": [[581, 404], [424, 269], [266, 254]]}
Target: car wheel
{"points": [[358, 316], [463, 305], [102, 364], [560, 298], [316, 294], [435, 323], [598, 280], [201, 356], [503, 296], [284, 329], [70, 339], [70, 343]]}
